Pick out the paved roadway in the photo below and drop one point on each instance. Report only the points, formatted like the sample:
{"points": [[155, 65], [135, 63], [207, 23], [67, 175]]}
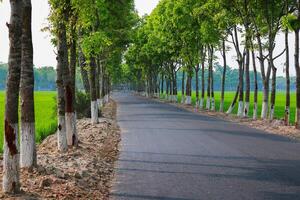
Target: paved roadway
{"points": [[170, 154]]}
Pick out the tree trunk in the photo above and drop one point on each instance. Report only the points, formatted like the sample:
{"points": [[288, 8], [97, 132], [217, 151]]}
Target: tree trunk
{"points": [[97, 80], [175, 85], [27, 142], [255, 86], [212, 80], [72, 138], [162, 84], [297, 67], [93, 89], [273, 92], [202, 85], [232, 105], [71, 116], [223, 77], [247, 73], [197, 86], [11, 182], [61, 64], [188, 99], [182, 88], [287, 74], [83, 71], [167, 87], [209, 82]]}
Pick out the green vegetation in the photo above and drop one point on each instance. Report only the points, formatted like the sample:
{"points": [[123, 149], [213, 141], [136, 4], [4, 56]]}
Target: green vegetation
{"points": [[229, 95], [44, 116]]}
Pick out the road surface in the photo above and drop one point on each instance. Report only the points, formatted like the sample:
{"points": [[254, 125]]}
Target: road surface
{"points": [[171, 154]]}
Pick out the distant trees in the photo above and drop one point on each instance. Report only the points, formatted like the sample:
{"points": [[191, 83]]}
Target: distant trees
{"points": [[189, 33]]}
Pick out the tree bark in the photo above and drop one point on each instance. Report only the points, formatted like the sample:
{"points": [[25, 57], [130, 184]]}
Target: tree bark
{"points": [[83, 71], [223, 76], [93, 91], [287, 74], [175, 84], [247, 74], [71, 132], [27, 142], [212, 80], [188, 91], [255, 86], [273, 93], [61, 101], [202, 85], [197, 86], [297, 67], [71, 116], [232, 105], [162, 84], [182, 87], [11, 182], [208, 100]]}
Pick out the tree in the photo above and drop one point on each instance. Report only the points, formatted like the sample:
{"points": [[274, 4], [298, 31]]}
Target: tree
{"points": [[27, 142], [11, 183]]}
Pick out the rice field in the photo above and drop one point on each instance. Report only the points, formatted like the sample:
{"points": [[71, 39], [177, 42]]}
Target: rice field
{"points": [[45, 115], [279, 106]]}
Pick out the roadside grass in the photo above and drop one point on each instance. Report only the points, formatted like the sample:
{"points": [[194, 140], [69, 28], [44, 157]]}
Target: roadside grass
{"points": [[45, 118], [279, 105]]}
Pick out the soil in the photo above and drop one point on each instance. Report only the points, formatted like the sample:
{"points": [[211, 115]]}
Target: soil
{"points": [[84, 172], [273, 127]]}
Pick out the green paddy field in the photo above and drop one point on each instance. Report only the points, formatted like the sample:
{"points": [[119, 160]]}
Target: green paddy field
{"points": [[45, 117]]}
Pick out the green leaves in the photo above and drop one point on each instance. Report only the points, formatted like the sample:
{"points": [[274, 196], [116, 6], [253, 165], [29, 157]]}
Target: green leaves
{"points": [[291, 22], [95, 44]]}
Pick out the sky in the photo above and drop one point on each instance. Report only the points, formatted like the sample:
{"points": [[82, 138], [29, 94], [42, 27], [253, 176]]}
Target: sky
{"points": [[44, 52]]}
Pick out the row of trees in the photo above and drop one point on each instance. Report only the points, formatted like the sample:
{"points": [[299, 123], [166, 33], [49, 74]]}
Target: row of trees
{"points": [[90, 34], [185, 35]]}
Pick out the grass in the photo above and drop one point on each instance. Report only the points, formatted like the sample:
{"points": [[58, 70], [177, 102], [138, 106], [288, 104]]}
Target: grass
{"points": [[45, 118], [279, 105]]}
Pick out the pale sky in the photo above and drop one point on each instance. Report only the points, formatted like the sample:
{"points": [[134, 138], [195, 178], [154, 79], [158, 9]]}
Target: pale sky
{"points": [[44, 51]]}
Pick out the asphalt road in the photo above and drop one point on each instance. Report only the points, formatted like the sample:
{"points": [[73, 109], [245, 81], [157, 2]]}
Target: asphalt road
{"points": [[171, 154]]}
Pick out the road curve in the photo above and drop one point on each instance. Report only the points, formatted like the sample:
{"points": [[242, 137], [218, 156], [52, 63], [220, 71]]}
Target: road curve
{"points": [[171, 154]]}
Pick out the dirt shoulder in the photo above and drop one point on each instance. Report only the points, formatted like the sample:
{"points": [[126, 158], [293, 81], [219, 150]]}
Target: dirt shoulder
{"points": [[85, 172], [273, 127]]}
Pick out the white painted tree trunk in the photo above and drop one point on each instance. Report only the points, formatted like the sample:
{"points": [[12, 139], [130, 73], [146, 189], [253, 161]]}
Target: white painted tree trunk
{"points": [[222, 106], [213, 107], [255, 111], [246, 109], [264, 110], [272, 112], [188, 100], [175, 98], [99, 103], [197, 105], [287, 114], [240, 109], [27, 145], [71, 129], [230, 109], [94, 112], [208, 103], [201, 103], [61, 134], [182, 99], [11, 165]]}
